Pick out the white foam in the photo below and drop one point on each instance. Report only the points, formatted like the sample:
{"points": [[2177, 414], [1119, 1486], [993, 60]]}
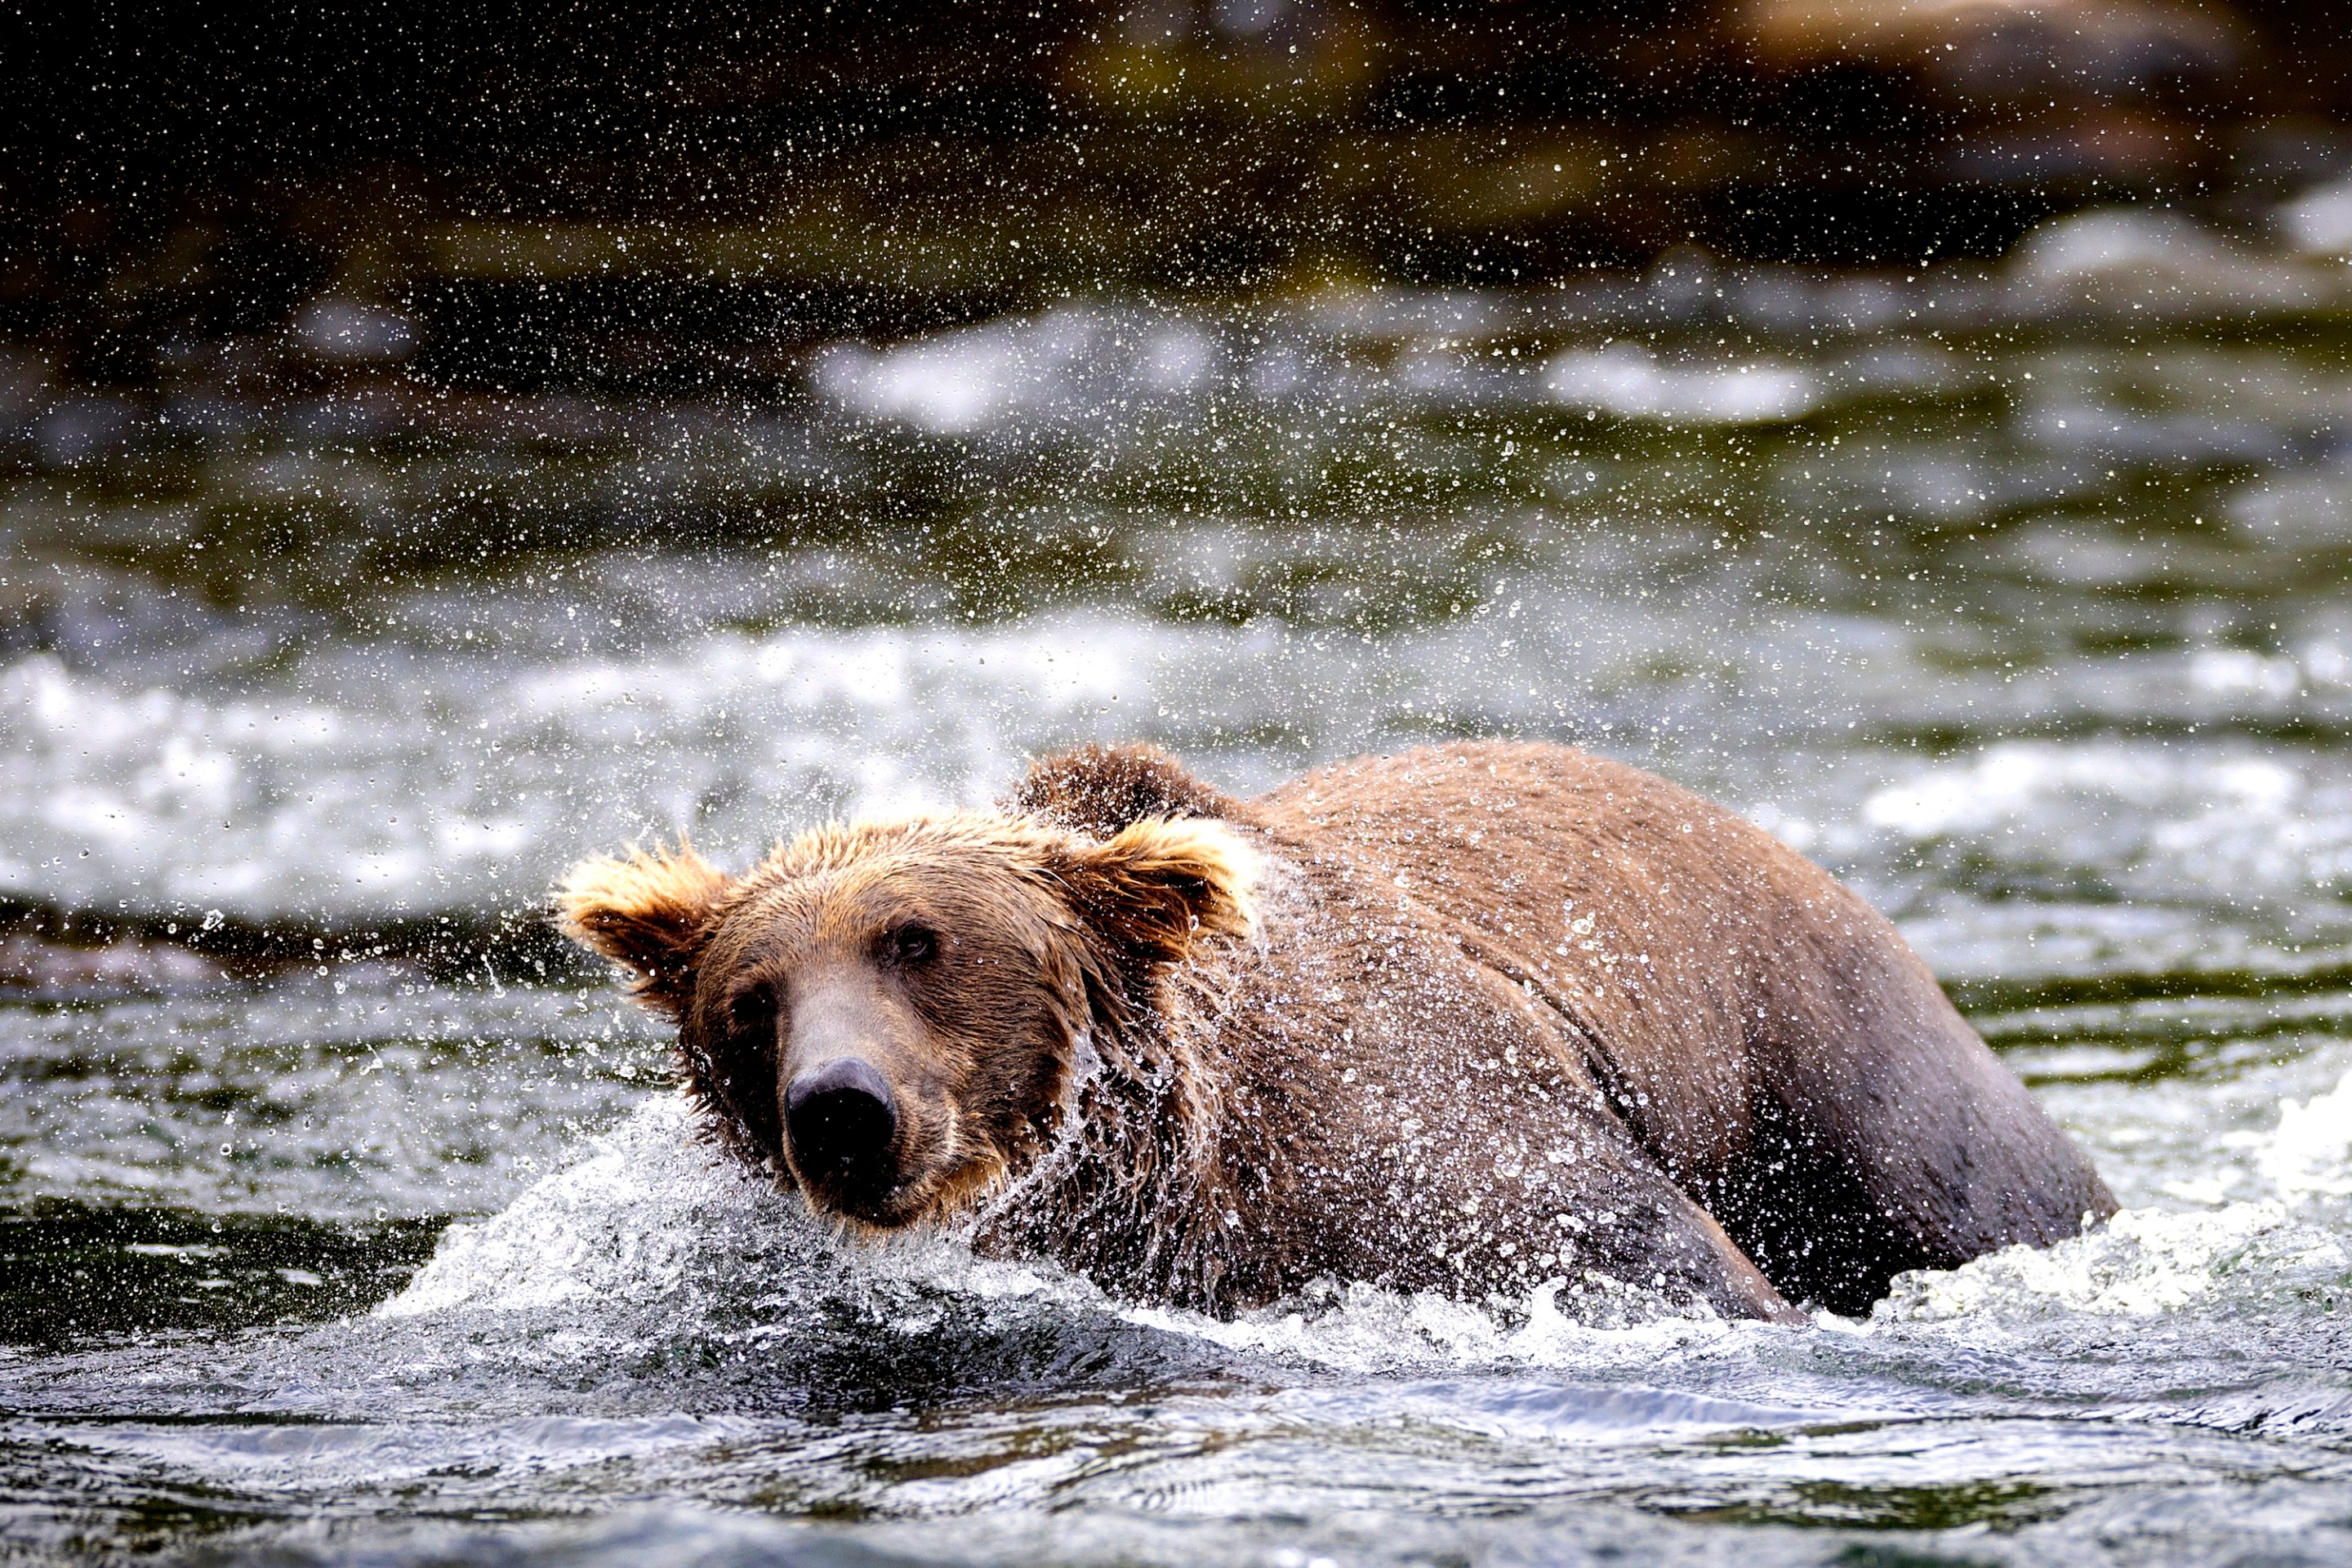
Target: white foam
{"points": [[1081, 361], [650, 1222], [473, 780], [1631, 383], [477, 781], [2320, 220], [1360, 1329], [2115, 240], [2310, 1154], [962, 381], [627, 1221], [2014, 778], [2161, 261], [2142, 1263], [649, 1219], [2152, 1261], [652, 1215]]}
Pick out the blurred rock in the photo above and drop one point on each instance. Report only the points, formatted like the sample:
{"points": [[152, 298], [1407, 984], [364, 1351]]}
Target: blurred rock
{"points": [[2062, 144], [1988, 46], [22, 376]]}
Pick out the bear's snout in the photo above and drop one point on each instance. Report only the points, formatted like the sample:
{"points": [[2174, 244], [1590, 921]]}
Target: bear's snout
{"points": [[843, 1122]]}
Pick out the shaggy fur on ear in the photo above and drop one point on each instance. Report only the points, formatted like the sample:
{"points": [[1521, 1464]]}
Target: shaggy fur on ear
{"points": [[1150, 891], [650, 914], [1099, 790]]}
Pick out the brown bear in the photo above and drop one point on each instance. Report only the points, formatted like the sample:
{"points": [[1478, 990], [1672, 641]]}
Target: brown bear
{"points": [[1465, 1020]]}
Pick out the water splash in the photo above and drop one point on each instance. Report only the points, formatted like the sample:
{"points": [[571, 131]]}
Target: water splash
{"points": [[650, 1220], [2310, 1155]]}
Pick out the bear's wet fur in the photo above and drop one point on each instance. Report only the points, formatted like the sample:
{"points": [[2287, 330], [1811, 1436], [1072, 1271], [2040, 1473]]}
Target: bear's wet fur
{"points": [[1465, 1020]]}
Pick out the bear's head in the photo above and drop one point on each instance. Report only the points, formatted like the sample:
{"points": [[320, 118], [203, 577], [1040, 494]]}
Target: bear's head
{"points": [[887, 1015]]}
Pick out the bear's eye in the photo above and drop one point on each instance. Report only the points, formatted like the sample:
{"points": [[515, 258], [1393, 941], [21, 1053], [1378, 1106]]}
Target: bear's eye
{"points": [[911, 944], [753, 1009]]}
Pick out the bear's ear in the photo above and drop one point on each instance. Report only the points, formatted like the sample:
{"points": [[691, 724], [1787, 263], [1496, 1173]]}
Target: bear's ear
{"points": [[1153, 887], [648, 913], [1101, 789]]}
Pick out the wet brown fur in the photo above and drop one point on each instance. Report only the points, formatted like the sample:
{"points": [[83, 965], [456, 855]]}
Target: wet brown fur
{"points": [[1464, 1020], [1098, 790]]}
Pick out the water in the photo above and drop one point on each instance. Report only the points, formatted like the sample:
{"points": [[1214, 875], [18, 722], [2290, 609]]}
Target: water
{"points": [[348, 1220]]}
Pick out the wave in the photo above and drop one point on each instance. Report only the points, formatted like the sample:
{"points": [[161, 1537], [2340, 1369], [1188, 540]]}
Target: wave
{"points": [[651, 1226], [368, 787]]}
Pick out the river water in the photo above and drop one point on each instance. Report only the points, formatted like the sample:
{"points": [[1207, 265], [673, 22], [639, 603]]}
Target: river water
{"points": [[370, 1233]]}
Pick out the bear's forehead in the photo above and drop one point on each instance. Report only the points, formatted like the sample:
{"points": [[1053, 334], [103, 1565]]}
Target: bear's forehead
{"points": [[884, 886], [851, 893], [963, 844]]}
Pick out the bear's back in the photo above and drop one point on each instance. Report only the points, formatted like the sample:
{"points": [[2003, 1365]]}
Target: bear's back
{"points": [[1769, 1036]]}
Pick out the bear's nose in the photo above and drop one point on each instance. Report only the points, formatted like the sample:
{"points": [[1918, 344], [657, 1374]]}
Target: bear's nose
{"points": [[842, 1118]]}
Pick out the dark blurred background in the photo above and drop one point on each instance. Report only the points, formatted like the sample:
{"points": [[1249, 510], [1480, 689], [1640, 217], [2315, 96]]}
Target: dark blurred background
{"points": [[640, 198]]}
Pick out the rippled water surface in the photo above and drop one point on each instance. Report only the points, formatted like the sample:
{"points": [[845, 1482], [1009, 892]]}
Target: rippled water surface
{"points": [[345, 1219]]}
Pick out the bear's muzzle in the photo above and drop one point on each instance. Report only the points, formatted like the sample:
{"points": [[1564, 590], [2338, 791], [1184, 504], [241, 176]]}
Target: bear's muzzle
{"points": [[843, 1122]]}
